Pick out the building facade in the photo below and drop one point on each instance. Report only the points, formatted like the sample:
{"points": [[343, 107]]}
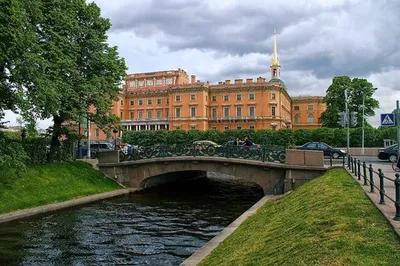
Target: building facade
{"points": [[170, 100]]}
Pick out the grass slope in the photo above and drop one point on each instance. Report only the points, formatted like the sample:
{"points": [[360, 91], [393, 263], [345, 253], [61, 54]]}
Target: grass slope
{"points": [[328, 221], [50, 183]]}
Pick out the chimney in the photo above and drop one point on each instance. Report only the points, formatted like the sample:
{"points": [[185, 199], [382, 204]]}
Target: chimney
{"points": [[193, 79], [228, 81], [259, 80], [249, 81], [238, 81], [220, 83]]}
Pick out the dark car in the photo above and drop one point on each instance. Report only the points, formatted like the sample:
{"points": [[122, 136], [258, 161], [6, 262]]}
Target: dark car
{"points": [[320, 146], [388, 153]]}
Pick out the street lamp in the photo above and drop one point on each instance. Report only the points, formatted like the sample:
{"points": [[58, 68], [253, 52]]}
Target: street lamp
{"points": [[363, 118]]}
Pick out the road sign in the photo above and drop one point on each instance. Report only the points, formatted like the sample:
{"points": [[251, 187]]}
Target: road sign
{"points": [[387, 120]]}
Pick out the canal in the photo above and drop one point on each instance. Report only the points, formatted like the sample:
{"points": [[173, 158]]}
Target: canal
{"points": [[159, 226]]}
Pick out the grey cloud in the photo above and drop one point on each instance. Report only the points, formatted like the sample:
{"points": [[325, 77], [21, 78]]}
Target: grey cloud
{"points": [[355, 38]]}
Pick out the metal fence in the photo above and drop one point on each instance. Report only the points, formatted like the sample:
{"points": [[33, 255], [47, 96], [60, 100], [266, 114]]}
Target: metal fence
{"points": [[368, 174], [255, 152]]}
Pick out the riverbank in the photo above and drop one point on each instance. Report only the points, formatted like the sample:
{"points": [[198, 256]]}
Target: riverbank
{"points": [[51, 183], [327, 221]]}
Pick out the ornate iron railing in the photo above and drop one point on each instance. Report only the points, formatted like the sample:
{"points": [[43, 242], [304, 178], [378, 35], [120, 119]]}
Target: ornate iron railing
{"points": [[255, 152]]}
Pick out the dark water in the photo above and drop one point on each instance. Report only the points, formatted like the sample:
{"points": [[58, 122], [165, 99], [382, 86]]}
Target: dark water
{"points": [[161, 226]]}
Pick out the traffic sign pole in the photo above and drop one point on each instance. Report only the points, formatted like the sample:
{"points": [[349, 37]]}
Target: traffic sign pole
{"points": [[398, 127]]}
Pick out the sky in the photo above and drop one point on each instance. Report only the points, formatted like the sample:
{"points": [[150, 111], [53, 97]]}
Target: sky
{"points": [[230, 39]]}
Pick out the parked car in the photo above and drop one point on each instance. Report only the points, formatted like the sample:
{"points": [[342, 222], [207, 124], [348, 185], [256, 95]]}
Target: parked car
{"points": [[204, 144], [232, 143], [96, 147], [321, 146], [388, 153]]}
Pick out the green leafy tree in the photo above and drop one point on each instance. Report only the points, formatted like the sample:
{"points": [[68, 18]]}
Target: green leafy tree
{"points": [[17, 46], [357, 89], [76, 71]]}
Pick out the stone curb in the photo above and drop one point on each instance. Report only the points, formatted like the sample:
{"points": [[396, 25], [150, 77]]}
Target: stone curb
{"points": [[205, 250], [7, 217], [388, 210]]}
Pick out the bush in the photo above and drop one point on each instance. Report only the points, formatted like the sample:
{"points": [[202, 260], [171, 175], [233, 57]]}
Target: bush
{"points": [[284, 137]]}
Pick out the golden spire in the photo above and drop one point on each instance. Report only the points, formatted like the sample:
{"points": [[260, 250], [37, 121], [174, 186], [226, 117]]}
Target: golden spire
{"points": [[275, 60]]}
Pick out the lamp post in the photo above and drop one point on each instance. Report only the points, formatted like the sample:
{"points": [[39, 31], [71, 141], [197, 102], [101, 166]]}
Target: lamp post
{"points": [[363, 118], [347, 121]]}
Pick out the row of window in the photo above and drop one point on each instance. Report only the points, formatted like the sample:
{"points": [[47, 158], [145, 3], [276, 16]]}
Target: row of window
{"points": [[214, 113], [193, 98], [310, 118], [215, 128], [309, 107], [193, 112]]}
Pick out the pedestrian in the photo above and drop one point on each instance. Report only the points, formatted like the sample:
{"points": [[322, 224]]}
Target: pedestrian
{"points": [[247, 142]]}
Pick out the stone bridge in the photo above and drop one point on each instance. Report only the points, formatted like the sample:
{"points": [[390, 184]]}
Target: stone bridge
{"points": [[273, 178]]}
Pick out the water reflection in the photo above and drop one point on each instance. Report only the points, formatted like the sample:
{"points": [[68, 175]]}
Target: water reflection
{"points": [[160, 226]]}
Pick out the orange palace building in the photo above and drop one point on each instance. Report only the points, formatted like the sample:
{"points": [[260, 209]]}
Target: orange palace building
{"points": [[170, 100]]}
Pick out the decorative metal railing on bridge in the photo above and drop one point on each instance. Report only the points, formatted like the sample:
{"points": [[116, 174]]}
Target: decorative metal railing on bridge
{"points": [[255, 152]]}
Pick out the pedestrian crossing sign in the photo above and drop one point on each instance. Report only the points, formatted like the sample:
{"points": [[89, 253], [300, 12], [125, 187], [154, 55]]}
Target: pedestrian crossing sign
{"points": [[387, 120]]}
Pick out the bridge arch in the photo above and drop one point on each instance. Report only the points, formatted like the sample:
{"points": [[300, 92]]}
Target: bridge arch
{"points": [[273, 178]]}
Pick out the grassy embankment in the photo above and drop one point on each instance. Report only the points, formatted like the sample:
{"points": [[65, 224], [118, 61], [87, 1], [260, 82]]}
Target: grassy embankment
{"points": [[50, 183], [328, 221]]}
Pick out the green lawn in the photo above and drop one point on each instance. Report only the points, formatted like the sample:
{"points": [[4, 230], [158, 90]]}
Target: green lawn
{"points": [[328, 221], [50, 183]]}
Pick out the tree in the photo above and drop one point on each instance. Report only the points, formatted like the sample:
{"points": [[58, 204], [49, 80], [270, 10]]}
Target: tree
{"points": [[17, 41], [77, 74], [356, 90]]}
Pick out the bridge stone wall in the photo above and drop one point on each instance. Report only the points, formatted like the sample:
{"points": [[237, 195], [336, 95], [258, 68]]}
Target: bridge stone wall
{"points": [[273, 178]]}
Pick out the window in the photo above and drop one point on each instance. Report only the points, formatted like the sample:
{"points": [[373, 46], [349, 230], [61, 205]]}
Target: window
{"points": [[97, 132], [251, 96], [239, 111], [166, 113], [193, 97], [238, 97], [273, 96], [167, 100], [296, 108], [132, 102], [122, 102], [214, 112], [159, 101], [252, 127], [226, 98], [140, 115], [159, 114], [140, 102], [252, 111], [214, 98], [149, 114], [214, 128], [177, 127], [310, 118], [273, 108], [192, 127], [193, 111], [226, 127], [149, 101], [322, 146], [239, 127], [177, 98], [312, 145], [131, 115], [121, 114], [310, 107], [297, 119], [226, 112], [178, 112]]}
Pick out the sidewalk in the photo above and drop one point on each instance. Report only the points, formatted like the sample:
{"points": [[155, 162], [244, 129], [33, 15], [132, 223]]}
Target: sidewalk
{"points": [[388, 209]]}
